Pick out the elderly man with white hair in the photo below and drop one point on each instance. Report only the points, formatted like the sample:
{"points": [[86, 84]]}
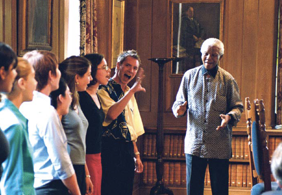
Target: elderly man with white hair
{"points": [[210, 97]]}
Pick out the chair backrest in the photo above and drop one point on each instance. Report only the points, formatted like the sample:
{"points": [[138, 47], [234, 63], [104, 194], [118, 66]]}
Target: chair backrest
{"points": [[258, 151]]}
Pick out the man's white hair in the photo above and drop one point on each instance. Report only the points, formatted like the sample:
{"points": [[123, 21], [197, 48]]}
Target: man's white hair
{"points": [[213, 42], [276, 164]]}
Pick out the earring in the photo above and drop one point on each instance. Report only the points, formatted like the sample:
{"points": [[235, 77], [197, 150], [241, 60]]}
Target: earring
{"points": [[76, 83]]}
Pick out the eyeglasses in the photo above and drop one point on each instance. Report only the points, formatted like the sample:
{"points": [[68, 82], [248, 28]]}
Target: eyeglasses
{"points": [[103, 68]]}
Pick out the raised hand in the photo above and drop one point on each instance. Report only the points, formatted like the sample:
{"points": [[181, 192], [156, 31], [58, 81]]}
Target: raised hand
{"points": [[137, 85]]}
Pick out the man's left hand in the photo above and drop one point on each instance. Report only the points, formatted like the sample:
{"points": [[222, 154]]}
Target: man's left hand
{"points": [[225, 118], [138, 165]]}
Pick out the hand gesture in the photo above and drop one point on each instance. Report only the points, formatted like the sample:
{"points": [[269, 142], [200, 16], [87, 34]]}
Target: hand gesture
{"points": [[225, 120], [137, 85], [181, 109]]}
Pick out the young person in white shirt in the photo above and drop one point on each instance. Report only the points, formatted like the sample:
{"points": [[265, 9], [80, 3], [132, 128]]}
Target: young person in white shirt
{"points": [[53, 170]]}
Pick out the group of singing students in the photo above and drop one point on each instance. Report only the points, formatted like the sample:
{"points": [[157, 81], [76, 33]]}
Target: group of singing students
{"points": [[68, 128]]}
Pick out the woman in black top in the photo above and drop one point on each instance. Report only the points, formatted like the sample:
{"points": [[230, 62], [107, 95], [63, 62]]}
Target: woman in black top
{"points": [[8, 74], [91, 107]]}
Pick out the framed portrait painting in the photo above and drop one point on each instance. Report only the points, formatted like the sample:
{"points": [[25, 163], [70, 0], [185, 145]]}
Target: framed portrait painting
{"points": [[35, 25], [192, 23]]}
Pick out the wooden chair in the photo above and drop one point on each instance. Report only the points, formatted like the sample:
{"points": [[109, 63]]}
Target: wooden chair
{"points": [[258, 151]]}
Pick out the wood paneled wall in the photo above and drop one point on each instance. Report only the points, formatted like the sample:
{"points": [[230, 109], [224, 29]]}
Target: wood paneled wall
{"points": [[9, 25], [249, 35], [8, 22]]}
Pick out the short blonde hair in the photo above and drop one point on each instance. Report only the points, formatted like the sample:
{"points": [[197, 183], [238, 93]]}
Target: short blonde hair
{"points": [[23, 69]]}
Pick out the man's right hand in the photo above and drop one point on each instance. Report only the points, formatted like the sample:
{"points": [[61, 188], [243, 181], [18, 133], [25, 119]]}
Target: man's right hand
{"points": [[181, 109], [137, 85]]}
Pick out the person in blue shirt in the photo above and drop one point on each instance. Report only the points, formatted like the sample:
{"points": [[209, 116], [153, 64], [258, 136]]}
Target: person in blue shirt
{"points": [[18, 175], [53, 170], [8, 73]]}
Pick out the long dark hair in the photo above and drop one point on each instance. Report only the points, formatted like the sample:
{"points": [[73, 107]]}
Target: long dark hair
{"points": [[7, 56], [60, 91], [95, 60]]}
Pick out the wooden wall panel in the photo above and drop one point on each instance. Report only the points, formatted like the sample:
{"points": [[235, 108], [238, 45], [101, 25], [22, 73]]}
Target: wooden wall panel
{"points": [[63, 29], [131, 24], [104, 28], [233, 41], [158, 49], [144, 30], [8, 23], [266, 52], [234, 21], [55, 30], [249, 41]]}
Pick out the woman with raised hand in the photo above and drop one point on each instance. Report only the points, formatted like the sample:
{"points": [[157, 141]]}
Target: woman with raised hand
{"points": [[76, 71], [18, 175], [91, 107], [8, 63]]}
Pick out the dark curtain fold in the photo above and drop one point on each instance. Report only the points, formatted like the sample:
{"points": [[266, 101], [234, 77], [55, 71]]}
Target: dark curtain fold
{"points": [[279, 81]]}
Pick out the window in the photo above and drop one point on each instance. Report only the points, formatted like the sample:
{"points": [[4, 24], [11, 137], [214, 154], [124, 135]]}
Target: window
{"points": [[74, 29]]}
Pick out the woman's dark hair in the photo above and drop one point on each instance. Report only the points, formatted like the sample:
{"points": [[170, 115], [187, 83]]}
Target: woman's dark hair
{"points": [[95, 60], [7, 56], [70, 67], [60, 91]]}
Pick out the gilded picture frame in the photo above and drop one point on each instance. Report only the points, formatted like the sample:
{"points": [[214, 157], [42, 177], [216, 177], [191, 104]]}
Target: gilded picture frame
{"points": [[191, 23], [35, 25]]}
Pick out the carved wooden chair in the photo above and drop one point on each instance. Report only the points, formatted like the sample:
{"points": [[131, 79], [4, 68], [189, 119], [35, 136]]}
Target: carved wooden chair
{"points": [[258, 150]]}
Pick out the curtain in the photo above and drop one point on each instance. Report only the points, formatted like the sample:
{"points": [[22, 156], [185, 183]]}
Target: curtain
{"points": [[88, 27], [279, 79]]}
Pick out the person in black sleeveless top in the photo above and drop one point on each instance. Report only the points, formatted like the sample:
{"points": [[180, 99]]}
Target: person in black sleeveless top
{"points": [[91, 107]]}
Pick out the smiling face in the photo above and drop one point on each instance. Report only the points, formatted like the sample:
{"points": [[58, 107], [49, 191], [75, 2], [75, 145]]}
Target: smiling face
{"points": [[83, 81], [127, 70], [103, 73], [210, 56]]}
